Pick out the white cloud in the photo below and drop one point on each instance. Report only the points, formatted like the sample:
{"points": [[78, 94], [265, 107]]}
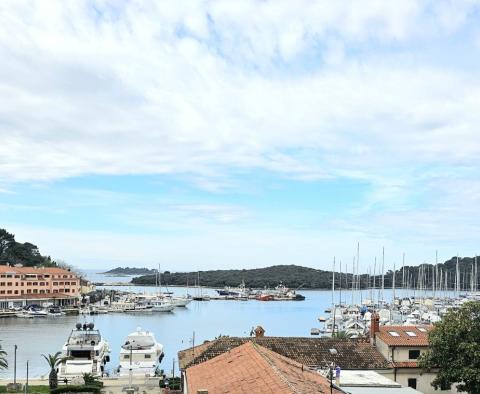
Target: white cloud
{"points": [[309, 90], [115, 90]]}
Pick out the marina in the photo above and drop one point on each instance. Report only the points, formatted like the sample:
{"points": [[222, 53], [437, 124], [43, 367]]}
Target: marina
{"points": [[176, 330]]}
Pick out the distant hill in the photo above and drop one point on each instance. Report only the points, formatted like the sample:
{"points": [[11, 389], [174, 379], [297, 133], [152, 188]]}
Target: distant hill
{"points": [[293, 276], [27, 254], [130, 271]]}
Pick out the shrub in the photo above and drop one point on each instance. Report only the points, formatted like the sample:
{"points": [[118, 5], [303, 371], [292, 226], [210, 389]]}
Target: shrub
{"points": [[76, 389]]}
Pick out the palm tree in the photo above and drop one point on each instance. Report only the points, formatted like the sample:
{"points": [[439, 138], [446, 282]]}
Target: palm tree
{"points": [[342, 335], [53, 361], [3, 359]]}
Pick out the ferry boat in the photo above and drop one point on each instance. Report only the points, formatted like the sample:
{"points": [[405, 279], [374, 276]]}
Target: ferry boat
{"points": [[141, 354], [85, 351]]}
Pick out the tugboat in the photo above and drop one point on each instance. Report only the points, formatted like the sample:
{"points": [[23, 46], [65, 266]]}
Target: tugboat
{"points": [[141, 354], [84, 352]]}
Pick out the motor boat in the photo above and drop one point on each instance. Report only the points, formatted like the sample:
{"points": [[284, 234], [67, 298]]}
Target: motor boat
{"points": [[141, 354], [55, 311], [162, 306], [24, 314], [85, 351], [139, 308], [34, 311]]}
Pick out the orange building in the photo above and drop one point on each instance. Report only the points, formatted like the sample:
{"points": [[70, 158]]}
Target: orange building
{"points": [[20, 286]]}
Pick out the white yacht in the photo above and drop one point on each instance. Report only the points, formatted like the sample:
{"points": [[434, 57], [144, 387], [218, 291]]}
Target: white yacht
{"points": [[180, 301], [85, 352], [141, 354]]}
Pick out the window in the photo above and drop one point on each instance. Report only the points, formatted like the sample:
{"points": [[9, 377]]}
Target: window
{"points": [[413, 354], [9, 283], [29, 291], [412, 382], [410, 333], [35, 291], [55, 283], [16, 291], [2, 291], [9, 291], [422, 329], [394, 333], [126, 356], [148, 356], [2, 283]]}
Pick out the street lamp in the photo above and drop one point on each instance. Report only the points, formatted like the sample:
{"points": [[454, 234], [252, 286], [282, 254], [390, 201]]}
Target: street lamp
{"points": [[15, 365]]}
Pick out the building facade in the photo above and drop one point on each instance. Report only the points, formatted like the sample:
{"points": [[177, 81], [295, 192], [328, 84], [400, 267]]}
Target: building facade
{"points": [[403, 346], [19, 285]]}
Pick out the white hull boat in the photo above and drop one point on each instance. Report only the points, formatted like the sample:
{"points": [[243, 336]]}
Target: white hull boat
{"points": [[84, 352], [140, 355]]}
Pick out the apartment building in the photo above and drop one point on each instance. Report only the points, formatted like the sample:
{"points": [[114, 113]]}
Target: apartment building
{"points": [[22, 285], [403, 346]]}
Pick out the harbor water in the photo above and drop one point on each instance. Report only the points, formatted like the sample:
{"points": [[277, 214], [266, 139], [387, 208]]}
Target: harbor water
{"points": [[199, 321]]}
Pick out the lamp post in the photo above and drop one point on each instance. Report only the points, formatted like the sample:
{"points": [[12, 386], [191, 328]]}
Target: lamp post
{"points": [[26, 384], [130, 372], [15, 365], [331, 378]]}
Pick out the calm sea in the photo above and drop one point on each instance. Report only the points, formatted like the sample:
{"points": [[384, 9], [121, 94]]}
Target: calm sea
{"points": [[204, 320]]}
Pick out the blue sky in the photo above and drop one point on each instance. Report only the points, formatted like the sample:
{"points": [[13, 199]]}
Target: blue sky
{"points": [[240, 134]]}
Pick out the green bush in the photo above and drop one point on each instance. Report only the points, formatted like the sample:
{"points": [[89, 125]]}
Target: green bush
{"points": [[76, 389]]}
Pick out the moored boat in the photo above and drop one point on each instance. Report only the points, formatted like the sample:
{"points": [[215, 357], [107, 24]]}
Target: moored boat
{"points": [[141, 354], [85, 351]]}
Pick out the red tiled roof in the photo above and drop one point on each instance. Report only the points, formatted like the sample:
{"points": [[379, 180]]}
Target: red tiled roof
{"points": [[34, 270], [313, 352], [420, 338], [251, 368]]}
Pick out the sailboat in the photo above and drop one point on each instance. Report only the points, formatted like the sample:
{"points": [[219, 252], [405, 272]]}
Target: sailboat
{"points": [[200, 296]]}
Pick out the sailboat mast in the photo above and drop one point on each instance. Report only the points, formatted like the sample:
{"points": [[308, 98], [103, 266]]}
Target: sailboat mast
{"points": [[383, 270], [353, 278], [374, 274], [340, 284], [333, 283], [359, 276], [393, 283]]}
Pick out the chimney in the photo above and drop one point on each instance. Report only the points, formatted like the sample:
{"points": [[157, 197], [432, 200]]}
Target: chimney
{"points": [[259, 332], [374, 326]]}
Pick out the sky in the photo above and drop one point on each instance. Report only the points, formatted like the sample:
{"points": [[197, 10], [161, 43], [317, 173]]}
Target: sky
{"points": [[237, 134]]}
